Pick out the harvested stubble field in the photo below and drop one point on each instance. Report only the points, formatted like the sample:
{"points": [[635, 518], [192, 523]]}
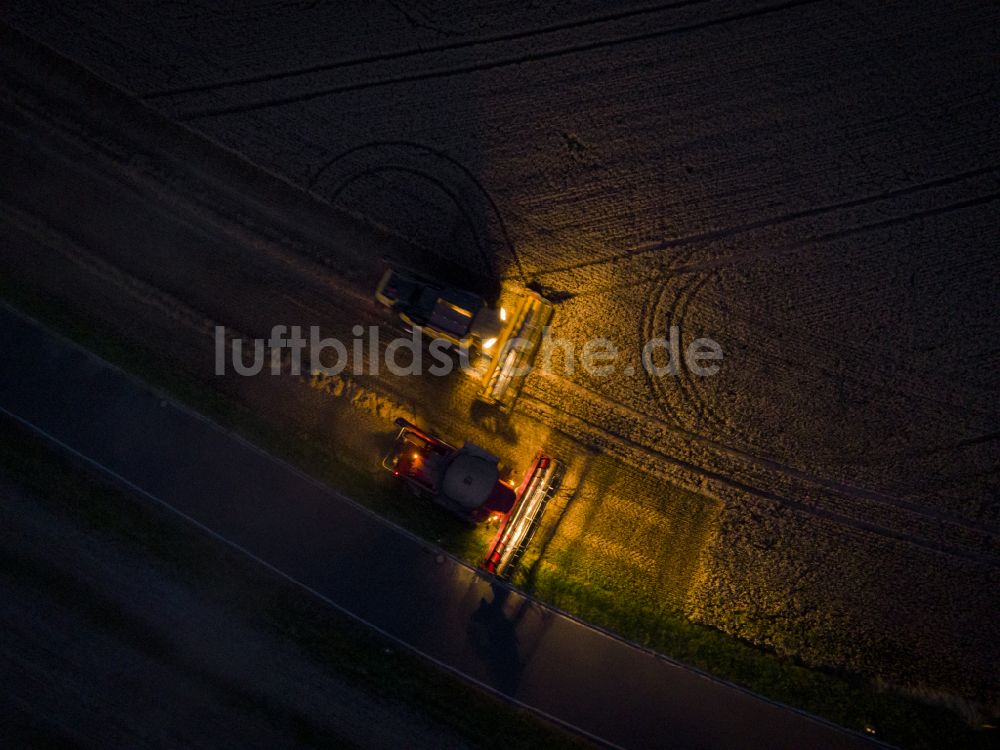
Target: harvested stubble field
{"points": [[811, 184], [620, 543]]}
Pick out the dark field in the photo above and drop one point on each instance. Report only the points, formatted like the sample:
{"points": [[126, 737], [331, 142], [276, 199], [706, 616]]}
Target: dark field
{"points": [[814, 185]]}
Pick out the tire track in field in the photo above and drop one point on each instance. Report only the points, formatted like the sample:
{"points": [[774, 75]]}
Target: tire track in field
{"points": [[615, 407], [647, 459], [690, 391], [678, 309], [647, 331], [782, 249], [836, 235], [485, 260], [773, 221], [485, 66], [651, 314], [465, 172], [419, 51], [678, 312], [878, 379]]}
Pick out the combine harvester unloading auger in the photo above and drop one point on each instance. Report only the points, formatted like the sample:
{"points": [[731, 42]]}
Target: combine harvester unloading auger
{"points": [[516, 349], [467, 481]]}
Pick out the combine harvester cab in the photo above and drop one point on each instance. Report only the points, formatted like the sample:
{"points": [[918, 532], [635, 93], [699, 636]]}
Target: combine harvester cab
{"points": [[464, 480], [516, 348], [518, 527]]}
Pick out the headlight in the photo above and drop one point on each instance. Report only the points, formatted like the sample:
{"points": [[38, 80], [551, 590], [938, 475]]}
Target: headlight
{"points": [[489, 342], [503, 314]]}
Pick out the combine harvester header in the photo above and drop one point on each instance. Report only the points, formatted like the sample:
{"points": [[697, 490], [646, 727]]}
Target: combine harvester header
{"points": [[519, 526], [517, 347]]}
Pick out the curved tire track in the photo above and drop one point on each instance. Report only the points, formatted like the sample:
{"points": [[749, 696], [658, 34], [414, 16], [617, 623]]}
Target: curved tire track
{"points": [[418, 51], [465, 172]]}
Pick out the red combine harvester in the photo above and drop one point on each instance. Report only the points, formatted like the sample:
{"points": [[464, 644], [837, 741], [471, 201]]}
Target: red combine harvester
{"points": [[467, 481]]}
